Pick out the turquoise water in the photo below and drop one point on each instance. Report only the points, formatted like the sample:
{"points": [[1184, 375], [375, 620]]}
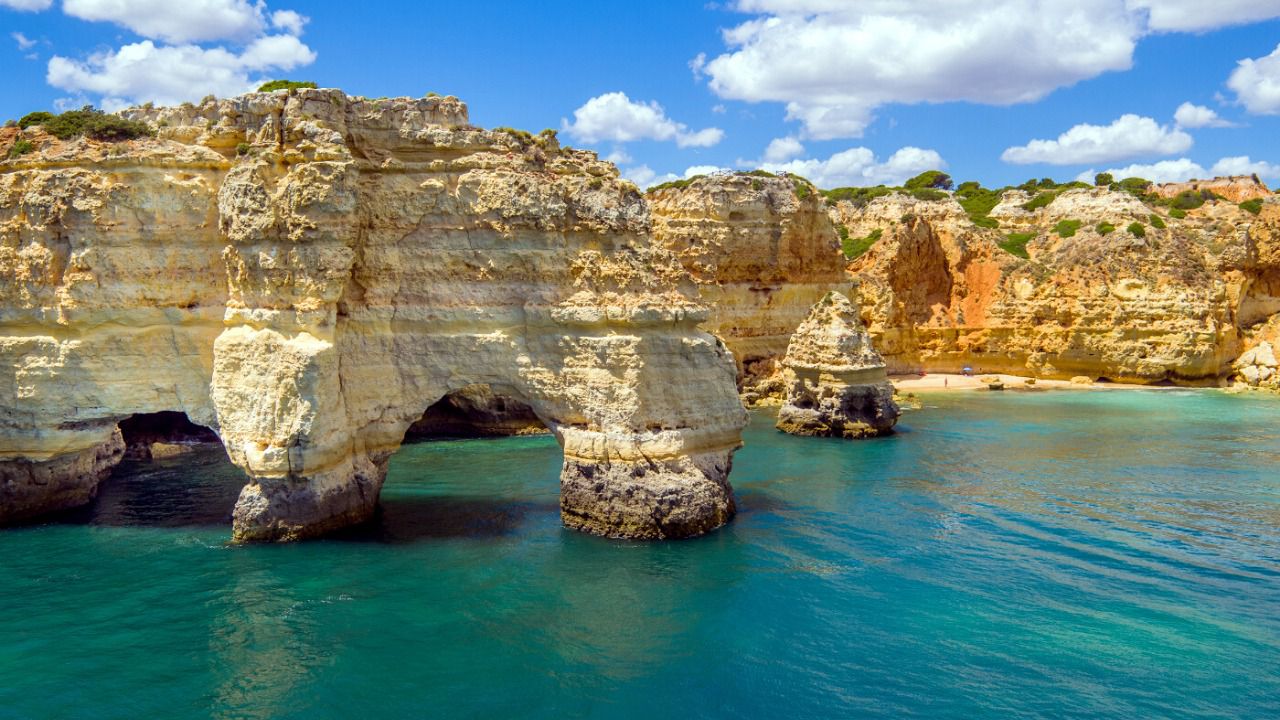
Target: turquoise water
{"points": [[1056, 555]]}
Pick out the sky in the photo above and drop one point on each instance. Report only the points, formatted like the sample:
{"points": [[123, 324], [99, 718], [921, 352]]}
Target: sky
{"points": [[844, 92]]}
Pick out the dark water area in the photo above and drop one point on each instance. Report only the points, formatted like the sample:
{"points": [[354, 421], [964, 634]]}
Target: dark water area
{"points": [[1052, 555]]}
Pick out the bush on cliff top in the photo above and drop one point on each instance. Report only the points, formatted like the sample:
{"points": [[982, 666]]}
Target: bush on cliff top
{"points": [[88, 121], [1039, 201], [929, 179], [1252, 206], [20, 147], [285, 85]]}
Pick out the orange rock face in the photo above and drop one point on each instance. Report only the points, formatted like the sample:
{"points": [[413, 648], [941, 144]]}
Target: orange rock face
{"points": [[1238, 188]]}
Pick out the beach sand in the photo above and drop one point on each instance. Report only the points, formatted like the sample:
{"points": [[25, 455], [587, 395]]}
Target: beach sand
{"points": [[937, 382]]}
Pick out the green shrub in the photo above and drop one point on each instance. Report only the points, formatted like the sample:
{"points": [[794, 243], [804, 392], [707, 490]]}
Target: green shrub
{"points": [[1252, 206], [1157, 222], [759, 173], [242, 148], [859, 196], [89, 121], [433, 94], [983, 221], [1016, 244], [1103, 179], [927, 194], [1039, 201], [1177, 213], [854, 248], [1137, 230], [978, 202], [1188, 200], [1135, 186], [929, 179], [757, 184], [21, 147], [675, 184], [39, 117], [1067, 228], [285, 85], [595, 183], [1105, 228], [803, 187]]}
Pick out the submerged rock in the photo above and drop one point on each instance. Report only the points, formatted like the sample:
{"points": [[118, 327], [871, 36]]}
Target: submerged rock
{"points": [[836, 381]]}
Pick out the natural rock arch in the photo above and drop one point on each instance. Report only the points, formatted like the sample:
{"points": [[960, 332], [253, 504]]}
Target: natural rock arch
{"points": [[364, 259]]}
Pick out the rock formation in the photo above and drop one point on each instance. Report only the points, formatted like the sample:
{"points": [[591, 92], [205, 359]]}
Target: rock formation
{"points": [[836, 382], [1173, 300], [306, 273], [1237, 188], [762, 251]]}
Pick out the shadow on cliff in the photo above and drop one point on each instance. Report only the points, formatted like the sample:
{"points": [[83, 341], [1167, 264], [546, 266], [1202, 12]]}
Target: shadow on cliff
{"points": [[405, 520]]}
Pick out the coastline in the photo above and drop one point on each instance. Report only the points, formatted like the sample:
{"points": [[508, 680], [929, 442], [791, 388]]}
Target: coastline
{"points": [[949, 382]]}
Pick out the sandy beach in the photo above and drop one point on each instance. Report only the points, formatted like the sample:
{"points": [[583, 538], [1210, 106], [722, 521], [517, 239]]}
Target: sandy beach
{"points": [[945, 382]]}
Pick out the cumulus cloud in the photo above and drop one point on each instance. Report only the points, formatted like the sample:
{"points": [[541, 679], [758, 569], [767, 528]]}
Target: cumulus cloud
{"points": [[860, 167], [1198, 116], [783, 149], [1242, 165], [27, 5], [644, 176], [616, 117], [144, 71], [1199, 16], [1256, 82], [170, 65], [176, 22], [880, 52], [1164, 171], [1128, 137]]}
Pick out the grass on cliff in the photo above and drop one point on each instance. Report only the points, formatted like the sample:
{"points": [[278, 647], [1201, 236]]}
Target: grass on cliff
{"points": [[88, 121], [1137, 230], [1252, 207], [1105, 228], [856, 247], [285, 85], [1177, 214], [20, 147], [1067, 228], [1039, 201], [1157, 222], [1016, 244]]}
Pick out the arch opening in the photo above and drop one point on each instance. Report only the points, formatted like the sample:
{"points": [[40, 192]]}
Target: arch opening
{"points": [[162, 434], [477, 411]]}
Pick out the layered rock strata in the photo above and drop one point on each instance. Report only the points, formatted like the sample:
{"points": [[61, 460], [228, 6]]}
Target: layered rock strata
{"points": [[306, 273], [1174, 299], [836, 381], [762, 251]]}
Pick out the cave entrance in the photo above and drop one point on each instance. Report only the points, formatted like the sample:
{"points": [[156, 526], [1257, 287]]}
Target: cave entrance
{"points": [[476, 411], [175, 474]]}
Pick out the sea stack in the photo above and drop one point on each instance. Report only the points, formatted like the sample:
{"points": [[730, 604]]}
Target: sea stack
{"points": [[836, 381]]}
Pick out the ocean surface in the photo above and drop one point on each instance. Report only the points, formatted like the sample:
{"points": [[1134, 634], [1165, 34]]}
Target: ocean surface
{"points": [[1051, 555]]}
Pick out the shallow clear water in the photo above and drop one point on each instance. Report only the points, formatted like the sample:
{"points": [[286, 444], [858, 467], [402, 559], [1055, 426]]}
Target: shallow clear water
{"points": [[1058, 555]]}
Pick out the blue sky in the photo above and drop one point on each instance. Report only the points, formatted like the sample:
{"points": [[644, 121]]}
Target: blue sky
{"points": [[852, 92]]}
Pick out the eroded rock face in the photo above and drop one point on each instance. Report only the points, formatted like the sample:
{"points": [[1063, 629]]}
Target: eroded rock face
{"points": [[306, 273], [835, 379], [1237, 188], [762, 256], [1174, 304]]}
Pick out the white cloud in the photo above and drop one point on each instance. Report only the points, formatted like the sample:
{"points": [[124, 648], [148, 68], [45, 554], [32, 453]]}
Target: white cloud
{"points": [[176, 22], [24, 42], [619, 156], [27, 5], [289, 21], [643, 176], [1198, 116], [1129, 136], [873, 53], [143, 71], [1164, 171], [1256, 82], [1242, 165], [1199, 16], [783, 149], [859, 167], [615, 117]]}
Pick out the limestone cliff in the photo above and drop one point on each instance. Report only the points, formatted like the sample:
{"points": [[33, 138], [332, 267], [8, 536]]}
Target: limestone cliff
{"points": [[836, 382], [306, 273], [1170, 300], [1237, 188], [762, 252]]}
